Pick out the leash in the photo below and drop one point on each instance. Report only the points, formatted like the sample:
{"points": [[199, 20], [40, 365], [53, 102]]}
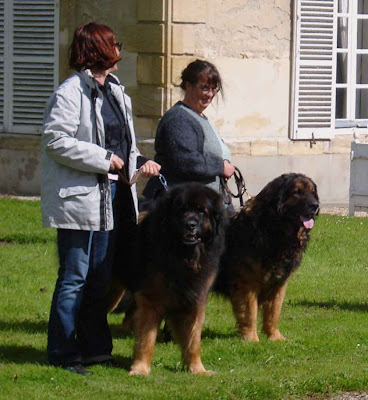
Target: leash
{"points": [[241, 188], [123, 177], [163, 182]]}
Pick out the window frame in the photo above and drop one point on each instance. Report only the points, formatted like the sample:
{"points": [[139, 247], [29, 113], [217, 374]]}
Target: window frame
{"points": [[324, 58], [352, 53]]}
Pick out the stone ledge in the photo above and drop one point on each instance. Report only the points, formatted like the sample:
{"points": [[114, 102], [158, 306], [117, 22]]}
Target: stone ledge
{"points": [[143, 105], [285, 147], [21, 142], [289, 147]]}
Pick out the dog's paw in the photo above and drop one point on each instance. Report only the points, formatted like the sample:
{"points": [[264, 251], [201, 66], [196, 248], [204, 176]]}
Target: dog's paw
{"points": [[276, 336], [200, 371], [208, 373], [139, 370], [250, 336]]}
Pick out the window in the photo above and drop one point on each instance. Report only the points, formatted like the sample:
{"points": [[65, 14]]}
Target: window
{"points": [[28, 62], [352, 63]]}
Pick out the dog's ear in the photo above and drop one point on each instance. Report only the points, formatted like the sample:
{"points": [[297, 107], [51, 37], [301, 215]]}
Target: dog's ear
{"points": [[283, 191], [315, 194], [272, 195], [315, 191], [162, 211]]}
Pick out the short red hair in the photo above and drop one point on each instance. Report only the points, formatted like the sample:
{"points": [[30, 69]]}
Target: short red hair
{"points": [[93, 47]]}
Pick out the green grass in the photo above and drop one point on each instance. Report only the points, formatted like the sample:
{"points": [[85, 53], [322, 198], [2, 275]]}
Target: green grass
{"points": [[324, 316]]}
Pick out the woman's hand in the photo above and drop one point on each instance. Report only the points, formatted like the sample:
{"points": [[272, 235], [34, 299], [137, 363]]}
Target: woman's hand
{"points": [[228, 169], [150, 168], [116, 163]]}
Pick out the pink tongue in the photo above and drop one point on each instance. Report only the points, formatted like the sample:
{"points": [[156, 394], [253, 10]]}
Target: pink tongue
{"points": [[309, 224]]}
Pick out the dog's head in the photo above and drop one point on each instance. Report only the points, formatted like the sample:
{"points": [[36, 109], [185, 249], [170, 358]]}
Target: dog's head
{"points": [[293, 196], [192, 213]]}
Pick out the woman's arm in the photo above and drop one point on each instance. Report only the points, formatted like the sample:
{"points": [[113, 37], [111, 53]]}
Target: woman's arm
{"points": [[59, 137]]}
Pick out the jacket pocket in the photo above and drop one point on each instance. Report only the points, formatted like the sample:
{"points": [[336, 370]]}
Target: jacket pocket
{"points": [[76, 190]]}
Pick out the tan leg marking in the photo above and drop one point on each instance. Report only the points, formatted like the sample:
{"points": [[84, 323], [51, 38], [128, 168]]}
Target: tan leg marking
{"points": [[187, 330], [271, 315], [147, 319], [245, 307]]}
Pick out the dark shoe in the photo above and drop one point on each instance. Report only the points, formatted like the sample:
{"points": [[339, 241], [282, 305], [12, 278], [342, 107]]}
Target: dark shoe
{"points": [[103, 359], [77, 369], [105, 363]]}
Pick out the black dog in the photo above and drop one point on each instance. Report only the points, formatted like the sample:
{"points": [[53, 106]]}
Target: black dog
{"points": [[180, 242]]}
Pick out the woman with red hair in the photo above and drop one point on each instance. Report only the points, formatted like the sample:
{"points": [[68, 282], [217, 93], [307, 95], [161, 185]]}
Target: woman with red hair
{"points": [[88, 142]]}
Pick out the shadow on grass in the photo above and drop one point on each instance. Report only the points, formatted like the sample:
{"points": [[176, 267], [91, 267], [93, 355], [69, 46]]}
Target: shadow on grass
{"points": [[26, 354], [24, 326], [206, 334], [122, 362], [117, 332], [210, 334], [20, 238], [23, 354], [332, 305]]}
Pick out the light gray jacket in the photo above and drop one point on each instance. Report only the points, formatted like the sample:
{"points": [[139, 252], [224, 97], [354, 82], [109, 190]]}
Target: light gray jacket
{"points": [[75, 191]]}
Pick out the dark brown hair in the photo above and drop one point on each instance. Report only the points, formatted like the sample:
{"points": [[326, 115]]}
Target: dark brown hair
{"points": [[93, 46], [199, 69]]}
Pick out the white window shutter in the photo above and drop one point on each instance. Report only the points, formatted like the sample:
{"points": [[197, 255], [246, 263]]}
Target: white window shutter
{"points": [[314, 69], [2, 50], [34, 62]]}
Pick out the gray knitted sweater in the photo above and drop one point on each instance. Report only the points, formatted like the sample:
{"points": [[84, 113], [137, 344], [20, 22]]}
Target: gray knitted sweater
{"points": [[189, 148]]}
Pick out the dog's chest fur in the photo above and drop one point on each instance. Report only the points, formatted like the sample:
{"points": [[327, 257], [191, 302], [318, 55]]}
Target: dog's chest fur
{"points": [[262, 252], [285, 257], [194, 270]]}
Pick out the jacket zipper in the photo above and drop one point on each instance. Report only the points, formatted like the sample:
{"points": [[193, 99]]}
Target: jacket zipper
{"points": [[101, 178]]}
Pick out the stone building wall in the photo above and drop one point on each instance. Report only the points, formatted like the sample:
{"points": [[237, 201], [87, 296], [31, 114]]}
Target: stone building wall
{"points": [[250, 42]]}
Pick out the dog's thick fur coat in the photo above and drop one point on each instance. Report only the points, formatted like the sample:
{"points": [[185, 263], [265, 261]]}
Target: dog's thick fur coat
{"points": [[265, 242], [179, 245]]}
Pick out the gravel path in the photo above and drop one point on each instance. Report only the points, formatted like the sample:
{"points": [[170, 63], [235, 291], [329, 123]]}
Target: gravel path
{"points": [[351, 396], [344, 211]]}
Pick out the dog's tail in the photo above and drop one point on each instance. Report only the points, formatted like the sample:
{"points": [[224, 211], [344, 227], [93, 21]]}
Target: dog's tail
{"points": [[114, 296]]}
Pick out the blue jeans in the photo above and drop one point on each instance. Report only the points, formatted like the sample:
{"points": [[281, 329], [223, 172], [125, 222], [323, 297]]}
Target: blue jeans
{"points": [[78, 328]]}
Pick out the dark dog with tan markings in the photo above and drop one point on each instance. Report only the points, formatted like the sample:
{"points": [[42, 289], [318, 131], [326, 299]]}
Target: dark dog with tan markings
{"points": [[180, 242], [264, 246]]}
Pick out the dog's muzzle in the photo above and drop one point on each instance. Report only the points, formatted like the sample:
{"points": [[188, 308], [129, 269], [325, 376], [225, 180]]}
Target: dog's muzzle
{"points": [[312, 211], [190, 236]]}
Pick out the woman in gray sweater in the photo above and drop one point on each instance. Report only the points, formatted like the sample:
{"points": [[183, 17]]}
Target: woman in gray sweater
{"points": [[187, 145]]}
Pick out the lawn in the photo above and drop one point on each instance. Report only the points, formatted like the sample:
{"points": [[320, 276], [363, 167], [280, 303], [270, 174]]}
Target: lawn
{"points": [[324, 317]]}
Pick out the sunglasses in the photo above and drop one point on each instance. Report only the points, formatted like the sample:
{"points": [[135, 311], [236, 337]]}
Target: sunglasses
{"points": [[119, 46]]}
